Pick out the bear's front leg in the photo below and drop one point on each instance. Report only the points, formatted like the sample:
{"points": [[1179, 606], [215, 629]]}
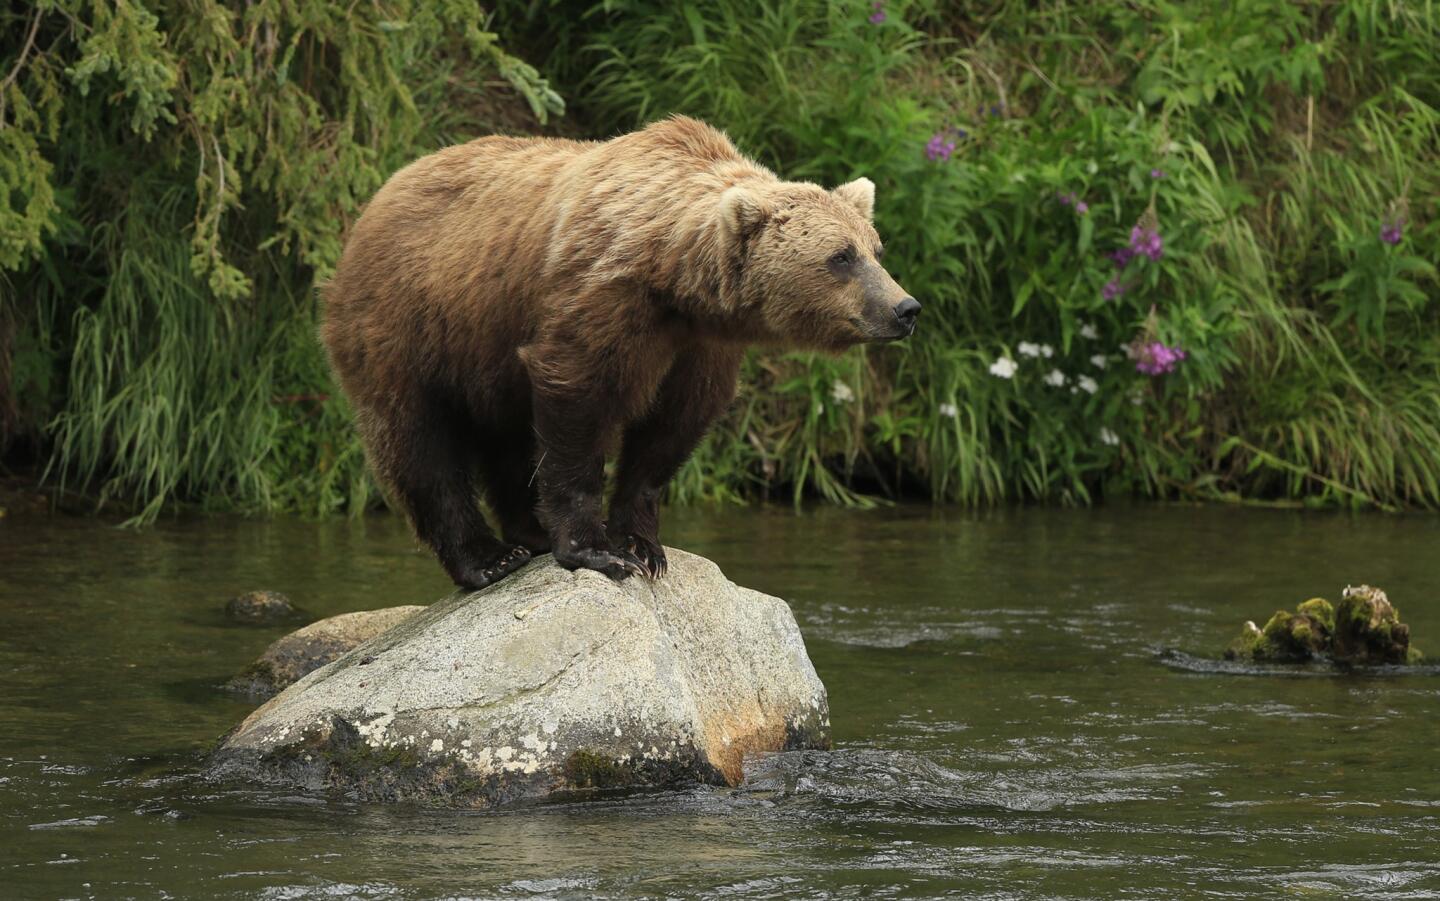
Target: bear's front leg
{"points": [[571, 429], [635, 523], [696, 390]]}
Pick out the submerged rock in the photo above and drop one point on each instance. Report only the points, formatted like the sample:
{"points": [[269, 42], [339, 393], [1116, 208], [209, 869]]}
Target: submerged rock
{"points": [[549, 683], [260, 607], [1364, 629], [308, 649]]}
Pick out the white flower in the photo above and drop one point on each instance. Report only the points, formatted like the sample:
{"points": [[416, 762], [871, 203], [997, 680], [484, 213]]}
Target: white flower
{"points": [[1088, 385], [1137, 397], [1109, 437], [1055, 378], [950, 411], [1003, 367], [1088, 331], [841, 393], [1047, 351], [1100, 361], [1029, 350]]}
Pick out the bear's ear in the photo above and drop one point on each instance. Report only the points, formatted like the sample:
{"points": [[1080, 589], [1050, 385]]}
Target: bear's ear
{"points": [[742, 211], [860, 194]]}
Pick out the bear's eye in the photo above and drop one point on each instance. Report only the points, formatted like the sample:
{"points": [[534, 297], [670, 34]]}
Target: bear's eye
{"points": [[841, 261]]}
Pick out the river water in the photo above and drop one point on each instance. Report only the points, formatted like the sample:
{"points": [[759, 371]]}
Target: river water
{"points": [[1026, 703]]}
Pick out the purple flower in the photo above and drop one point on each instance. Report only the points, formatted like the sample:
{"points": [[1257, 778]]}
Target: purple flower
{"points": [[997, 109], [1147, 241], [878, 16], [1082, 207], [938, 149], [1112, 289], [1392, 232], [1156, 173], [1155, 358], [942, 144], [1065, 199], [1122, 257]]}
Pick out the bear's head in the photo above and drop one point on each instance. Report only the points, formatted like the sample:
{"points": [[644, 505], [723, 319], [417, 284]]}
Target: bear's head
{"points": [[809, 264]]}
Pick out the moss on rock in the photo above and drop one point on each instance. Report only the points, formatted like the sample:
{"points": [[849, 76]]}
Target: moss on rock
{"points": [[1286, 637], [1320, 610], [588, 769]]}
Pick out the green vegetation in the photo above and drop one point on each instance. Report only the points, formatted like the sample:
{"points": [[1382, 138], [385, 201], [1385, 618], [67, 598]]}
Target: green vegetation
{"points": [[1078, 189], [174, 180]]}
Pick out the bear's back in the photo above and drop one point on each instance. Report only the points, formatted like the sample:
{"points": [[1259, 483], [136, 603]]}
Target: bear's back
{"points": [[463, 252]]}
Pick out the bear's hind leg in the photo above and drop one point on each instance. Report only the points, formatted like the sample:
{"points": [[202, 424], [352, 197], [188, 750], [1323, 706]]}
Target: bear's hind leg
{"points": [[427, 462]]}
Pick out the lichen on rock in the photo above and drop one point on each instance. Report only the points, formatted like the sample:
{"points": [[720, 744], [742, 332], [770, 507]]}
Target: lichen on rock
{"points": [[1364, 629]]}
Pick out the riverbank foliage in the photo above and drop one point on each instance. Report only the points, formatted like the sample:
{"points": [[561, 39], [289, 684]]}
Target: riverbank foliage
{"points": [[1175, 250]]}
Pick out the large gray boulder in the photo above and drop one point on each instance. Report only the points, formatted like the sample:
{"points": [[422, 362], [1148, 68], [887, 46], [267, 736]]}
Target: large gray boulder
{"points": [[548, 683]]}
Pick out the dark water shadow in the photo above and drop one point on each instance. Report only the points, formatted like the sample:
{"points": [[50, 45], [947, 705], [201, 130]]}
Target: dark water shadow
{"points": [[1212, 666]]}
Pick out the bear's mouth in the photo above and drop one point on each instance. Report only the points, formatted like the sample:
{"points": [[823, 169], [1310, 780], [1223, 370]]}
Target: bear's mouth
{"points": [[867, 335]]}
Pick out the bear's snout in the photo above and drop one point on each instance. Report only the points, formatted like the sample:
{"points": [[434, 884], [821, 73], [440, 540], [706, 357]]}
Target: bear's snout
{"points": [[908, 311]]}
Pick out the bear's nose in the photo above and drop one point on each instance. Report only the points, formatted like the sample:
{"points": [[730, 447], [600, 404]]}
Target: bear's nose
{"points": [[907, 310]]}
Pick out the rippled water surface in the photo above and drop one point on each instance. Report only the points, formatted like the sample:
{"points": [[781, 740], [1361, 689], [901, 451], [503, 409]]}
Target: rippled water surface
{"points": [[1026, 703]]}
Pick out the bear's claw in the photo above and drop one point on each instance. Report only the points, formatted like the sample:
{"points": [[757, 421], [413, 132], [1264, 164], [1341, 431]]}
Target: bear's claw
{"points": [[510, 561], [650, 554], [616, 564]]}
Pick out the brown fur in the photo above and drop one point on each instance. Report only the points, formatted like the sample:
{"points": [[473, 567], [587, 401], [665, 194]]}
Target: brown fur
{"points": [[506, 309]]}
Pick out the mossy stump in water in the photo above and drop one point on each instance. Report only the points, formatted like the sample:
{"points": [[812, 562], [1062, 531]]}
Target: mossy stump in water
{"points": [[1368, 629], [1365, 629]]}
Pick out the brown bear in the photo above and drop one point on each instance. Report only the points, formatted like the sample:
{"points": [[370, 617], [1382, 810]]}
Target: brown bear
{"points": [[506, 310]]}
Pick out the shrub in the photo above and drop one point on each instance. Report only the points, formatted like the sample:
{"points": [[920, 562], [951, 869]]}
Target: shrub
{"points": [[173, 182]]}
